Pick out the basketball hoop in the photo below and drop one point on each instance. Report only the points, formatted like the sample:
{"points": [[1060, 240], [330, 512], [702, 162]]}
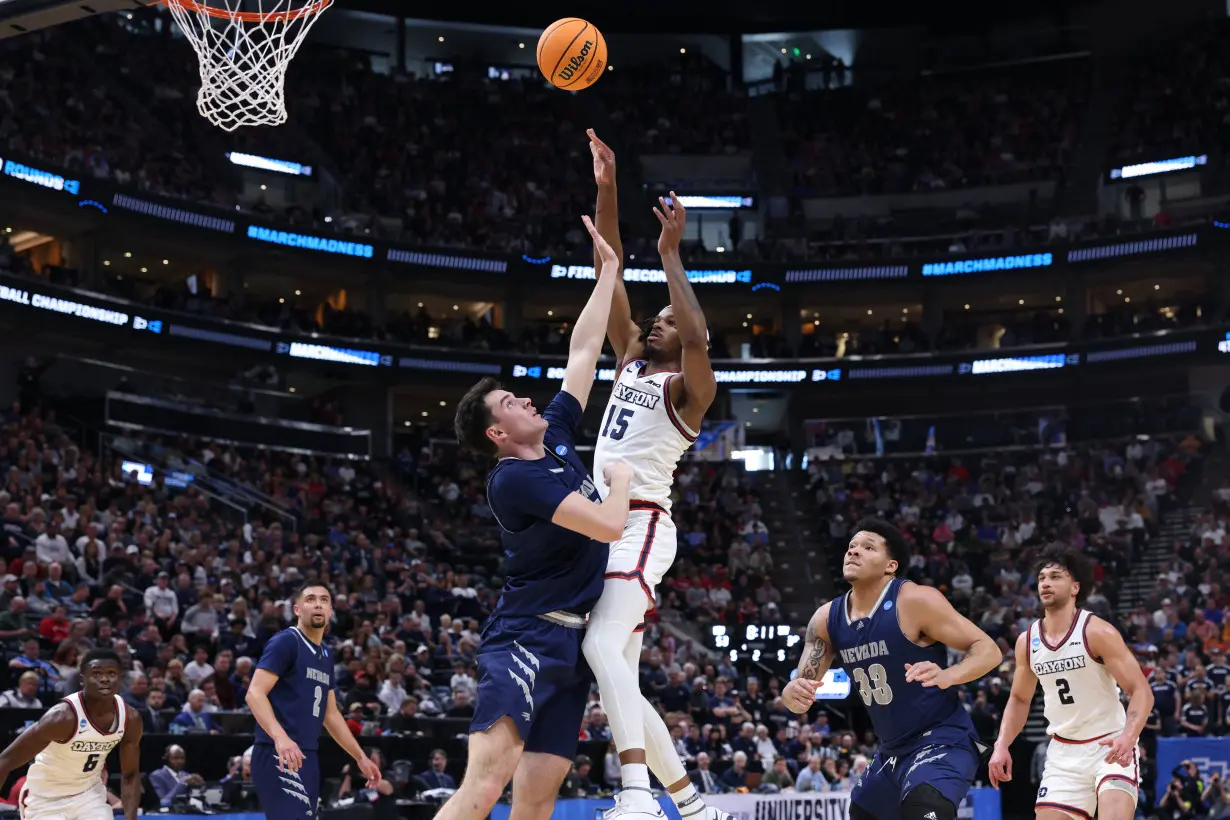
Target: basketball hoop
{"points": [[243, 55]]}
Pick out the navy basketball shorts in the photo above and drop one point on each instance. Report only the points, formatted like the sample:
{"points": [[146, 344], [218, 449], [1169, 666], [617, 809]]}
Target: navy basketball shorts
{"points": [[533, 671], [945, 758], [286, 795]]}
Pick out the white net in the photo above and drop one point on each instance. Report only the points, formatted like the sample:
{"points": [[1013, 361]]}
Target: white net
{"points": [[244, 48]]}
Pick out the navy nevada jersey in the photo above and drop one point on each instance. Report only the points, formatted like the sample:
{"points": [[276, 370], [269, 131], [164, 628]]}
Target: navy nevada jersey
{"points": [[547, 568], [301, 695], [874, 652]]}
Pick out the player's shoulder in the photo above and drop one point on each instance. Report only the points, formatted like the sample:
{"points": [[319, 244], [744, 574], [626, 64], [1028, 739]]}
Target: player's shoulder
{"points": [[910, 594], [819, 625], [1101, 631], [61, 721]]}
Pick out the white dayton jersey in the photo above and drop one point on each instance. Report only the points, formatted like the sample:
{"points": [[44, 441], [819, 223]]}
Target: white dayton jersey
{"points": [[76, 766], [1080, 696], [642, 427], [1081, 704]]}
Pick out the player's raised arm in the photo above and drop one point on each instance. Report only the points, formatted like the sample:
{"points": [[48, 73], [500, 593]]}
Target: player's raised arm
{"points": [[1016, 712], [694, 396], [931, 612], [58, 725], [290, 757], [1104, 641], [589, 332], [624, 333], [130, 765], [800, 693], [335, 723]]}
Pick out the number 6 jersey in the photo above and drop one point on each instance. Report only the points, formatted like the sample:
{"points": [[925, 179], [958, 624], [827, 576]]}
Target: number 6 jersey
{"points": [[67, 769], [874, 652], [1080, 696], [641, 427]]}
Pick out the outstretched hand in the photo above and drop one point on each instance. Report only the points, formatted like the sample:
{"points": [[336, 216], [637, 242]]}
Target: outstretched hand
{"points": [[674, 218], [610, 261], [604, 159]]}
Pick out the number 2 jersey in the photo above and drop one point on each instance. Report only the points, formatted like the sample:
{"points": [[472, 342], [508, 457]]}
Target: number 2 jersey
{"points": [[1080, 697], [299, 698], [67, 769], [641, 427], [874, 652]]}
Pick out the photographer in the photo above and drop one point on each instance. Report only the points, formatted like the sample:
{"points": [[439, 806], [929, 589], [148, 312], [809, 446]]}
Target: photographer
{"points": [[1216, 800], [1175, 806]]}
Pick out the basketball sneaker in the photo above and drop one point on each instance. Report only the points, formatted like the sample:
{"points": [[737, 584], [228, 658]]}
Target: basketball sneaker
{"points": [[634, 803]]}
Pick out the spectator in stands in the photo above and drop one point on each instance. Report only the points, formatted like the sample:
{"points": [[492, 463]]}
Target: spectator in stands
{"points": [[811, 778], [24, 695], [436, 777], [705, 781], [51, 547], [200, 621], [199, 668], [171, 781], [55, 627], [779, 776], [407, 721], [13, 621], [736, 776], [29, 659], [152, 720], [195, 718], [161, 603], [238, 793], [576, 782]]}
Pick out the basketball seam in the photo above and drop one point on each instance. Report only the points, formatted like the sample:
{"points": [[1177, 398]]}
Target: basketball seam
{"points": [[564, 54], [546, 35]]}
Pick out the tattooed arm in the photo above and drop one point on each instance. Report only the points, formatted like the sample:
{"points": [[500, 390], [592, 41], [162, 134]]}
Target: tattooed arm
{"points": [[800, 693]]}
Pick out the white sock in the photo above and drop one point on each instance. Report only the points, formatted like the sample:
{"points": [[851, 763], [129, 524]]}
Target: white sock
{"points": [[688, 801], [635, 776]]}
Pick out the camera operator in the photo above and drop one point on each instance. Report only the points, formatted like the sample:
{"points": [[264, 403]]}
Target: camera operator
{"points": [[1216, 800], [1174, 805]]}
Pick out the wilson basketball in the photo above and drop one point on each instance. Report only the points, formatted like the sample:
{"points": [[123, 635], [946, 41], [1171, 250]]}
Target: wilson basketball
{"points": [[571, 54]]}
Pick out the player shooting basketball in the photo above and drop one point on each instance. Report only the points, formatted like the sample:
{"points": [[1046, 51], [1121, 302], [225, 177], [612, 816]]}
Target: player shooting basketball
{"points": [[663, 386]]}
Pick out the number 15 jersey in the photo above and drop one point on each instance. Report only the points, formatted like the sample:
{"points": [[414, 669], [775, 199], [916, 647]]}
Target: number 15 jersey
{"points": [[299, 698], [641, 427], [1079, 695]]}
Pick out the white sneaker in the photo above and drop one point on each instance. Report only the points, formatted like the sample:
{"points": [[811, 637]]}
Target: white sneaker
{"points": [[631, 803], [714, 813]]}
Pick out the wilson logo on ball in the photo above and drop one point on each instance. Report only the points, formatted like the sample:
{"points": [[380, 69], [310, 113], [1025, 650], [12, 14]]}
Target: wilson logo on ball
{"points": [[575, 64]]}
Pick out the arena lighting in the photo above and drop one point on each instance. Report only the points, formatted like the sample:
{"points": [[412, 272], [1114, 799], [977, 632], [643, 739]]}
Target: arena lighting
{"points": [[279, 166], [696, 277], [1162, 166], [714, 202]]}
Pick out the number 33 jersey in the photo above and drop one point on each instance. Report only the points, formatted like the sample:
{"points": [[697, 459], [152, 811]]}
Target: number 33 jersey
{"points": [[641, 427], [66, 769], [1080, 696], [874, 652]]}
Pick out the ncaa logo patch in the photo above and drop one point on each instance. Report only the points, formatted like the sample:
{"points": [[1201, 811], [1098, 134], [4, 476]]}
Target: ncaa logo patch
{"points": [[561, 449], [1036, 642], [888, 605], [83, 723]]}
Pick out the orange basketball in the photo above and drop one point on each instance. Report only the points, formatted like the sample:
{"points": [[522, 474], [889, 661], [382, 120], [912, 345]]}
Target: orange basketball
{"points": [[571, 54]]}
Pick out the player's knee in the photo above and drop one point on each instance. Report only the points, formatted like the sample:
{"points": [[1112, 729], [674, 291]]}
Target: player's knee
{"points": [[926, 803], [483, 790]]}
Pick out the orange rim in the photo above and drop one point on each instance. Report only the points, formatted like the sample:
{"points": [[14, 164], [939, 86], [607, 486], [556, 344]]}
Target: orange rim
{"points": [[252, 16]]}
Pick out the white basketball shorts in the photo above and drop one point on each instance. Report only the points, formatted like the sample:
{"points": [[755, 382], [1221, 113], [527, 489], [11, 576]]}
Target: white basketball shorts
{"points": [[90, 804], [647, 548], [1076, 773]]}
